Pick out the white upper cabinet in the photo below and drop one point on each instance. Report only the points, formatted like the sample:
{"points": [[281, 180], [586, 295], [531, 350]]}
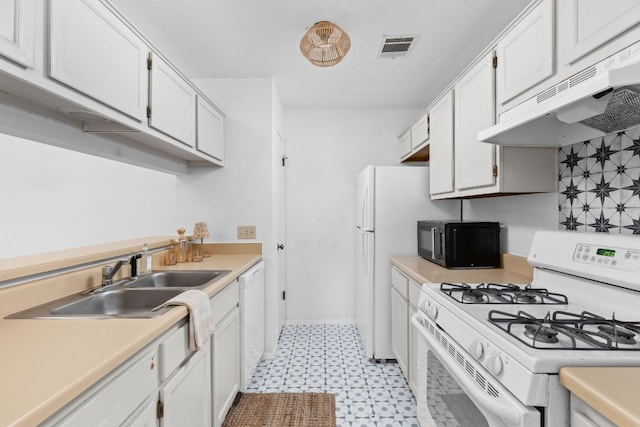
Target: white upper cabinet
{"points": [[93, 51], [525, 55], [172, 102], [420, 131], [587, 25], [210, 130], [441, 146], [17, 31], [474, 110], [404, 144]]}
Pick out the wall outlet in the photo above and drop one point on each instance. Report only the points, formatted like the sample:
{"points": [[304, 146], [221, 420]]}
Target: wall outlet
{"points": [[246, 232]]}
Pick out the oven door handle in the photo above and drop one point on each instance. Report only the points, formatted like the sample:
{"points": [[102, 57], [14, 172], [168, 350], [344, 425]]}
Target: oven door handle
{"points": [[506, 412]]}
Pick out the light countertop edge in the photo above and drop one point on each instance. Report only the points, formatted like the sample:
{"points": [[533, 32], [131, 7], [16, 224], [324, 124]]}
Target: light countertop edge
{"points": [[47, 363], [423, 271], [612, 391]]}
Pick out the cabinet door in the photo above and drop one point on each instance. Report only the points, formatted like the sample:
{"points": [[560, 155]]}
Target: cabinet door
{"points": [[589, 24], [399, 337], [474, 110], [94, 52], [441, 146], [526, 53], [186, 396], [420, 131], [118, 399], [413, 353], [17, 31], [172, 101], [404, 144], [147, 417], [210, 130], [226, 365]]}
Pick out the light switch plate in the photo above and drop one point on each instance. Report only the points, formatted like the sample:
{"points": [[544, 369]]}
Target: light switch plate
{"points": [[246, 232]]}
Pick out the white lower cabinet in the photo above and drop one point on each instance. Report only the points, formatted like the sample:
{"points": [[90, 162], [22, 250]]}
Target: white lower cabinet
{"points": [[186, 396], [225, 351], [583, 415], [146, 417], [118, 397], [399, 330], [414, 295]]}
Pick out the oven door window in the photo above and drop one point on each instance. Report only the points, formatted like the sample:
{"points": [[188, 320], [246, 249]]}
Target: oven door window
{"points": [[447, 403]]}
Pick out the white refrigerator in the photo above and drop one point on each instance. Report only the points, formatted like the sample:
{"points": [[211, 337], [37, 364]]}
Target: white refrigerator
{"points": [[390, 201]]}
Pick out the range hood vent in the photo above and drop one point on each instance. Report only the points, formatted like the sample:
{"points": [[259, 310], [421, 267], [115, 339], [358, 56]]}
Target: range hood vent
{"points": [[397, 46], [623, 111], [600, 100]]}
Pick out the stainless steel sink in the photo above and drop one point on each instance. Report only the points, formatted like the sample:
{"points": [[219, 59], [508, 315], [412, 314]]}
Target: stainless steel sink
{"points": [[129, 298], [117, 303], [178, 279]]}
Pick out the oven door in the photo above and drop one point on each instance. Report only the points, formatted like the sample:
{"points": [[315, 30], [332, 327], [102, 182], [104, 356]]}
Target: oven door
{"points": [[455, 390]]}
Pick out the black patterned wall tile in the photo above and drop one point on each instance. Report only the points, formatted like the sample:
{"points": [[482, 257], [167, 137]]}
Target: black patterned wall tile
{"points": [[630, 149], [573, 160], [630, 221], [603, 190], [572, 219], [630, 188], [571, 192], [603, 154], [603, 221]]}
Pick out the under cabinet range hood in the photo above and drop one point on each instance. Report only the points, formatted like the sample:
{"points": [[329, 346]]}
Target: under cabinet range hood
{"points": [[600, 100]]}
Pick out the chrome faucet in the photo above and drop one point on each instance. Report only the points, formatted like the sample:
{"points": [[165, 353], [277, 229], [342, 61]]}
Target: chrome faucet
{"points": [[108, 271]]}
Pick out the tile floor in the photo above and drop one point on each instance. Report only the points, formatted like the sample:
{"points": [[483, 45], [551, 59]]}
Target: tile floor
{"points": [[331, 358]]}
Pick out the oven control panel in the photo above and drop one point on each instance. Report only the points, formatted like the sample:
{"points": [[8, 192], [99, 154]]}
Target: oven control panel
{"points": [[609, 257]]}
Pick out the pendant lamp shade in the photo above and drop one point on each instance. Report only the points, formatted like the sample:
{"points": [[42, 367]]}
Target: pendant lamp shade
{"points": [[325, 44]]}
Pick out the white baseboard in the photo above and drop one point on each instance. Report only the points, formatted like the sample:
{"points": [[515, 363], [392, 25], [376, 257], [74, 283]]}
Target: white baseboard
{"points": [[270, 355]]}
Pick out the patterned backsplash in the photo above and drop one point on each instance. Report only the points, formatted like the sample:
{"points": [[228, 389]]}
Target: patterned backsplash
{"points": [[599, 187]]}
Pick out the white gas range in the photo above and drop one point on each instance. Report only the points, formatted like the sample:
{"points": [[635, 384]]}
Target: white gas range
{"points": [[489, 354]]}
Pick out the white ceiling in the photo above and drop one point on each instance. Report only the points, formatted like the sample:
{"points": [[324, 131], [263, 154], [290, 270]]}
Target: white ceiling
{"points": [[260, 39]]}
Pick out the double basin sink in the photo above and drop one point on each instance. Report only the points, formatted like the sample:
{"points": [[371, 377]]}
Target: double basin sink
{"points": [[129, 298]]}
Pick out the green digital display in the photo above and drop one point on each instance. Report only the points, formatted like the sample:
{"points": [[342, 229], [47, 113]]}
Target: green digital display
{"points": [[606, 252]]}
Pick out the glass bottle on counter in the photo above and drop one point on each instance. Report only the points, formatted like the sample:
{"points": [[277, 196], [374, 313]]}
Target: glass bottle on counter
{"points": [[182, 247]]}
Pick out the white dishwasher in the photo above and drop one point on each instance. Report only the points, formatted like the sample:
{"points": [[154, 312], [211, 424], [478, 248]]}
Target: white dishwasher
{"points": [[251, 321]]}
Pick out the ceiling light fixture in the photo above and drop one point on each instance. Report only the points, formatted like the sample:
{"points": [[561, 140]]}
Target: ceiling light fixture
{"points": [[325, 44]]}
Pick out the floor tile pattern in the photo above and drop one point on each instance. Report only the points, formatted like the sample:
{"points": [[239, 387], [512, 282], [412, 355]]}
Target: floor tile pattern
{"points": [[331, 359], [599, 184]]}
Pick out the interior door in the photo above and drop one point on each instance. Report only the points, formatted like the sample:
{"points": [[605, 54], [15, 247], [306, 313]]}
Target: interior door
{"points": [[281, 216]]}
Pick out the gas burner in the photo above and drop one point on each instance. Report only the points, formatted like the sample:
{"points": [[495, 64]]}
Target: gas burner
{"points": [[541, 333], [526, 297], [619, 334], [474, 296]]}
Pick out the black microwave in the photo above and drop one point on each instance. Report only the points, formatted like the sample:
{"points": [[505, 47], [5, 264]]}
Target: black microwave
{"points": [[455, 244]]}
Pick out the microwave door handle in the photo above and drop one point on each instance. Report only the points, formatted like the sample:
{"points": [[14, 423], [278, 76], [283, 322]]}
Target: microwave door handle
{"points": [[433, 242], [495, 406]]}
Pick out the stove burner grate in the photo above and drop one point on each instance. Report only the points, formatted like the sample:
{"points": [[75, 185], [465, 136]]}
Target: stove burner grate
{"points": [[544, 333], [495, 293]]}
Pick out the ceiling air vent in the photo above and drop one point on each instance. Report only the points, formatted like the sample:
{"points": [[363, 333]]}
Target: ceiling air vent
{"points": [[396, 46]]}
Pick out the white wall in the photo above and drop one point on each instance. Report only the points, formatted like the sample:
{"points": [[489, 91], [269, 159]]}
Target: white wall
{"points": [[521, 215], [54, 199], [241, 192], [326, 150]]}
